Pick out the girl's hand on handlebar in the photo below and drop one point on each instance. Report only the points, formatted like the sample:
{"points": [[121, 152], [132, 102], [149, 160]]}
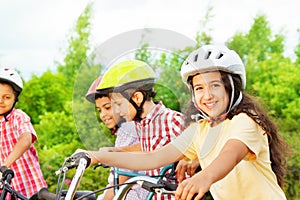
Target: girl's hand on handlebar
{"points": [[93, 159], [192, 188]]}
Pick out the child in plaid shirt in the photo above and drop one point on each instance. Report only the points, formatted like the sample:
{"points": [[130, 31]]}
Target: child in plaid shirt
{"points": [[17, 136]]}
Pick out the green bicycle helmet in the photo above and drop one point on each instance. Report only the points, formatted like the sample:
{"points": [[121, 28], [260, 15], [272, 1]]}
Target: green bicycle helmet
{"points": [[128, 77], [125, 74]]}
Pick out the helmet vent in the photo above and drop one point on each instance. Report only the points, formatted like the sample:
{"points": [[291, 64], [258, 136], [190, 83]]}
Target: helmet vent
{"points": [[220, 56], [207, 57], [196, 58]]}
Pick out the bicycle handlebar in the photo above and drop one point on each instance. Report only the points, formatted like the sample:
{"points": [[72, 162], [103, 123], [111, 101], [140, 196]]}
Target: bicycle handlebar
{"points": [[158, 186], [74, 162], [7, 173]]}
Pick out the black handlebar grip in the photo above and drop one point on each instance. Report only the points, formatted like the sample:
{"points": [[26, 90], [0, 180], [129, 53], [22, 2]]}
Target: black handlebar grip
{"points": [[75, 158], [149, 186], [5, 172], [100, 165], [44, 194], [168, 186]]}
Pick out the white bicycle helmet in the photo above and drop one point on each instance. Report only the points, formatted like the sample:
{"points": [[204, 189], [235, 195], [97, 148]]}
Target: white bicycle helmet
{"points": [[12, 77], [211, 58]]}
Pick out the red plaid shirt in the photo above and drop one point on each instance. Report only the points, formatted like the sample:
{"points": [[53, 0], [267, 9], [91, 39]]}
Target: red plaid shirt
{"points": [[157, 129], [28, 177]]}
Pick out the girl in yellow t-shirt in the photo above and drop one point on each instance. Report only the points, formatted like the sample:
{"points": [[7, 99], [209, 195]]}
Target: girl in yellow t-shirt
{"points": [[239, 149]]}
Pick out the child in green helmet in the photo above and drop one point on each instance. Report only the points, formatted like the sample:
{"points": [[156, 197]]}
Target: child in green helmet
{"points": [[130, 84], [239, 149], [125, 136]]}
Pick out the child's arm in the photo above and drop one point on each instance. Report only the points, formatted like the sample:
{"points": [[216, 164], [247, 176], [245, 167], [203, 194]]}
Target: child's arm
{"points": [[136, 160], [232, 153], [131, 148], [24, 142]]}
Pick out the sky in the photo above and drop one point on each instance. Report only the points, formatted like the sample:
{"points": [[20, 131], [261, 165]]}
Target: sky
{"points": [[34, 33]]}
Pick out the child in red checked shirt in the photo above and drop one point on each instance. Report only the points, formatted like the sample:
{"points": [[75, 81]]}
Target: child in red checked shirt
{"points": [[17, 136]]}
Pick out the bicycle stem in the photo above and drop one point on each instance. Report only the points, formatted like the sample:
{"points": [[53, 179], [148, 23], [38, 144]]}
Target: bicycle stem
{"points": [[76, 179]]}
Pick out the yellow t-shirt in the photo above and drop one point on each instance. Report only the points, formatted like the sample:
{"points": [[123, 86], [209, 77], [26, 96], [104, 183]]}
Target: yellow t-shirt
{"points": [[253, 177]]}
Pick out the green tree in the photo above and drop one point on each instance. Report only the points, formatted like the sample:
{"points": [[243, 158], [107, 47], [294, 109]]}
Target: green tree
{"points": [[42, 95], [60, 129], [258, 43], [274, 79]]}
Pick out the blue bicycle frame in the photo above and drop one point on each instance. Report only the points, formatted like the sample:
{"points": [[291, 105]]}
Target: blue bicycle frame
{"points": [[118, 172]]}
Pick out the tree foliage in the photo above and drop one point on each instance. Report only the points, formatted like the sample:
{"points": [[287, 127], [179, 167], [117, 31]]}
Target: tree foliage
{"points": [[43, 94], [274, 79]]}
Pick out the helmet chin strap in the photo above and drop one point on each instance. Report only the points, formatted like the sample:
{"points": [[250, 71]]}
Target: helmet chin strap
{"points": [[139, 109], [203, 115]]}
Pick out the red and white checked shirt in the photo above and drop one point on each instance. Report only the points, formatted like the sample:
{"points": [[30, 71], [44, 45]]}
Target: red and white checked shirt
{"points": [[157, 129], [28, 177]]}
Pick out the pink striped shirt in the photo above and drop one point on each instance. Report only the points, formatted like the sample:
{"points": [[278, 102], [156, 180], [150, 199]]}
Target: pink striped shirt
{"points": [[28, 177], [157, 129]]}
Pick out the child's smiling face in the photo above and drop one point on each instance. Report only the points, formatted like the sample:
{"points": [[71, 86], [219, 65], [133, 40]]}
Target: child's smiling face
{"points": [[103, 105], [210, 94]]}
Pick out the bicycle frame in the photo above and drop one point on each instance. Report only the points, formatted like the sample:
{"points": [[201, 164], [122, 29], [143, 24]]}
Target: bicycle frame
{"points": [[123, 189], [118, 172], [8, 189], [153, 185]]}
